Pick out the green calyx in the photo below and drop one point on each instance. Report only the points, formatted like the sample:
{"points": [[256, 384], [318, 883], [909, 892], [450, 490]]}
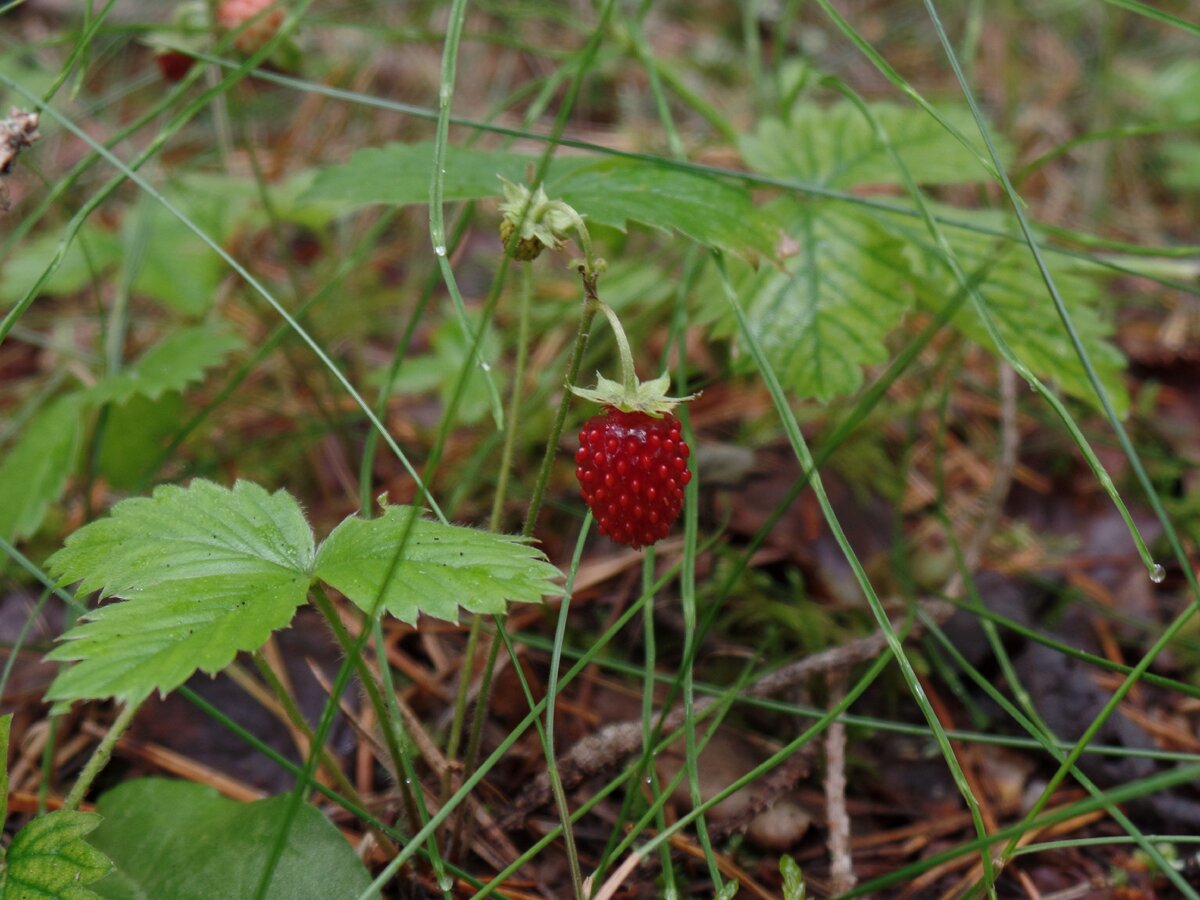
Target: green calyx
{"points": [[542, 222], [629, 394]]}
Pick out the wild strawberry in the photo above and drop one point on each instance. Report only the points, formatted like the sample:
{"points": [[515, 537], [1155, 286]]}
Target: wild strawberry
{"points": [[232, 15], [173, 64], [632, 468], [632, 462]]}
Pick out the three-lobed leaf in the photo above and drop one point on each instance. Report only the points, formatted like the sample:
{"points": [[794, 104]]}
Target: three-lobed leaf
{"points": [[49, 859], [408, 565], [206, 572]]}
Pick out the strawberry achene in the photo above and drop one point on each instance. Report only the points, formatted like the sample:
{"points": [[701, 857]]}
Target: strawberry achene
{"points": [[632, 468]]}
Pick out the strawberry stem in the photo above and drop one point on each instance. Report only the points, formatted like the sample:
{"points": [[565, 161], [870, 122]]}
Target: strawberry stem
{"points": [[628, 373]]}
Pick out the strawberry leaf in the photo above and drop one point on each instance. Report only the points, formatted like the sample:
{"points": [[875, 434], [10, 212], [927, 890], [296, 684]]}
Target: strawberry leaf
{"points": [[206, 572], [835, 146], [825, 315], [49, 860], [610, 192], [438, 569], [171, 365], [1017, 299]]}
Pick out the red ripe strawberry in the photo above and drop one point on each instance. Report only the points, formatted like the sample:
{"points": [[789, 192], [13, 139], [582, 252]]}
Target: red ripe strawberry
{"points": [[233, 14], [632, 468], [632, 459]]}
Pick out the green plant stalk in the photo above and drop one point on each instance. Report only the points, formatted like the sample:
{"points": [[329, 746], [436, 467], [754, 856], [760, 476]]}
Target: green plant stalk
{"points": [[800, 448], [371, 445], [100, 756], [437, 213], [560, 633], [333, 425], [394, 722], [646, 764], [296, 718], [590, 308], [512, 421], [394, 743], [687, 596], [5, 731]]}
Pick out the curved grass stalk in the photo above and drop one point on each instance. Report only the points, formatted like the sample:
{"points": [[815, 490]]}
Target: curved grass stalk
{"points": [[804, 456]]}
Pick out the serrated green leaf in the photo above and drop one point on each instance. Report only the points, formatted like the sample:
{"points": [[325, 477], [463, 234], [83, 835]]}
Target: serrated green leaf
{"points": [[183, 841], [618, 191], [89, 256], [170, 365], [441, 567], [49, 860], [206, 572], [1017, 298], [826, 315], [835, 146], [35, 468], [610, 192]]}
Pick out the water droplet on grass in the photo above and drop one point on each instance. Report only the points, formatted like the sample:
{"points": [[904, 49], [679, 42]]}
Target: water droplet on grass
{"points": [[1158, 574], [440, 249]]}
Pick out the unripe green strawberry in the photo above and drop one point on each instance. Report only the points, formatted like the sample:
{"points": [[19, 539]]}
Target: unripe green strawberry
{"points": [[233, 14], [632, 468], [526, 249]]}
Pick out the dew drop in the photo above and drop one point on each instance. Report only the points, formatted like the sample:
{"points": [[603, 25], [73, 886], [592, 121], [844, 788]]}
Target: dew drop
{"points": [[650, 779], [446, 883], [1158, 573], [486, 366], [440, 249]]}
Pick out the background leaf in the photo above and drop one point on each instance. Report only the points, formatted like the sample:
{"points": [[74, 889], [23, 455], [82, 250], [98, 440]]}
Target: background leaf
{"points": [[610, 192], [91, 253], [49, 860], [172, 265], [1016, 297], [442, 567], [35, 468], [834, 146], [206, 571], [171, 365], [182, 840], [826, 315]]}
